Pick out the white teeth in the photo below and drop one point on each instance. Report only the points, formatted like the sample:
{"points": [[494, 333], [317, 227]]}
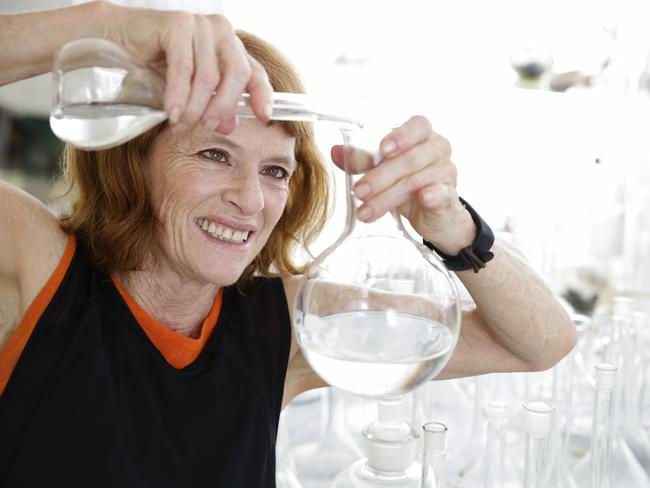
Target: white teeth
{"points": [[223, 233]]}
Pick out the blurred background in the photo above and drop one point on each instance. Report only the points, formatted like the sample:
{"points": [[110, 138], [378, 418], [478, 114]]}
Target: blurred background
{"points": [[545, 104], [547, 107]]}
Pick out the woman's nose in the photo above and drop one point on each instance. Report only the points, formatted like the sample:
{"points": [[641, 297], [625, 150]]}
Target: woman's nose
{"points": [[245, 193]]}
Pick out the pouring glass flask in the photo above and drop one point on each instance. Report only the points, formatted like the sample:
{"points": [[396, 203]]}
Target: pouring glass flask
{"points": [[377, 313], [103, 97]]}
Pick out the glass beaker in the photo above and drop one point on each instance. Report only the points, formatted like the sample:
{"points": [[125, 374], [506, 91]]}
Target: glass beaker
{"points": [[102, 97], [377, 313]]}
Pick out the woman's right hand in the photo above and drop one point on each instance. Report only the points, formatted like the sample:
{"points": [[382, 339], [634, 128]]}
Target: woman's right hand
{"points": [[204, 62]]}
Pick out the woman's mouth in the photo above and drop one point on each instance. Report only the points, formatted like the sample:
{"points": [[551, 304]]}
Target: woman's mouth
{"points": [[222, 232]]}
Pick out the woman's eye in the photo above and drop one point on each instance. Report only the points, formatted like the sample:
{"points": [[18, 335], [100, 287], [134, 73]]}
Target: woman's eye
{"points": [[276, 172], [215, 155]]}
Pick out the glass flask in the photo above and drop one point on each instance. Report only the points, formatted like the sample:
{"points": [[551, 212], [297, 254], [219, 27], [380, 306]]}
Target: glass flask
{"points": [[561, 429], [609, 462], [495, 448], [538, 421], [434, 471], [492, 468], [103, 97], [633, 382], [462, 464], [490, 392], [335, 449], [285, 475], [449, 403], [377, 313], [583, 383], [390, 445]]}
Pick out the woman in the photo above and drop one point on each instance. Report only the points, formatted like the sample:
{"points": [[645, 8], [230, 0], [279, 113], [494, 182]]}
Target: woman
{"points": [[127, 358]]}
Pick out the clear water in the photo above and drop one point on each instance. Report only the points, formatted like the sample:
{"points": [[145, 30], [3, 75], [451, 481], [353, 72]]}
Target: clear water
{"points": [[375, 353], [100, 126]]}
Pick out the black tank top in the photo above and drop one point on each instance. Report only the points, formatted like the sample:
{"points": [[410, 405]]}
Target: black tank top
{"points": [[91, 402]]}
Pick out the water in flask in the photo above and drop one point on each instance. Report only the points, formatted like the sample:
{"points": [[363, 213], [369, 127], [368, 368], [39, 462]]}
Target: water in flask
{"points": [[375, 353], [102, 126]]}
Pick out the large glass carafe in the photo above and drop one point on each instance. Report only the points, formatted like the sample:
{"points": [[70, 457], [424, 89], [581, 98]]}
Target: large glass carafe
{"points": [[377, 313]]}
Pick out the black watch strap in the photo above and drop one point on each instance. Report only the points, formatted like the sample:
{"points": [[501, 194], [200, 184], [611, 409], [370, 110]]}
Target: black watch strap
{"points": [[474, 256]]}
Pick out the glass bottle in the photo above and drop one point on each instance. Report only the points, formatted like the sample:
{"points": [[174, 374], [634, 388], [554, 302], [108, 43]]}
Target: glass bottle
{"points": [[472, 448], [495, 448], [334, 450], [450, 403], [434, 471], [377, 314], [538, 421], [609, 462], [390, 443], [285, 475], [603, 431], [583, 383], [633, 380], [492, 467], [561, 429], [103, 97]]}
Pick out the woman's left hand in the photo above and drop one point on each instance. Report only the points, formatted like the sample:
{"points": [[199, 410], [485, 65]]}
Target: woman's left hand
{"points": [[417, 177]]}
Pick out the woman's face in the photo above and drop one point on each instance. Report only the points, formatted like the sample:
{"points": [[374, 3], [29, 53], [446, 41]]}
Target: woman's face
{"points": [[219, 197]]}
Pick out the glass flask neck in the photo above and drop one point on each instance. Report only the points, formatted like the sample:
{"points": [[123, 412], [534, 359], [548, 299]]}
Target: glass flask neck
{"points": [[433, 455], [389, 224], [602, 438], [390, 440], [538, 421], [495, 448], [563, 398]]}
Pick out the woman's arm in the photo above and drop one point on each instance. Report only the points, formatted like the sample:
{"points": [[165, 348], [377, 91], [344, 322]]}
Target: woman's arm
{"points": [[30, 40], [517, 323], [205, 65]]}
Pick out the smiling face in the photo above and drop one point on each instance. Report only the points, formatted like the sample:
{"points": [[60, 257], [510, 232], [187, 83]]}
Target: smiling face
{"points": [[218, 197]]}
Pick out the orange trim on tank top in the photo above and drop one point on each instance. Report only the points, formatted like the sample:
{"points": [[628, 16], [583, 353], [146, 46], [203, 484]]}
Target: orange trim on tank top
{"points": [[12, 350], [177, 349]]}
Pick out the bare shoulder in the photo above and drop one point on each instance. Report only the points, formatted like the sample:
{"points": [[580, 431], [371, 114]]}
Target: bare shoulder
{"points": [[33, 244]]}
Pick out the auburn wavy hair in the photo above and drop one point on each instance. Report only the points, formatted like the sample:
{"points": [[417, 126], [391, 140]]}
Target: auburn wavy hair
{"points": [[108, 207]]}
